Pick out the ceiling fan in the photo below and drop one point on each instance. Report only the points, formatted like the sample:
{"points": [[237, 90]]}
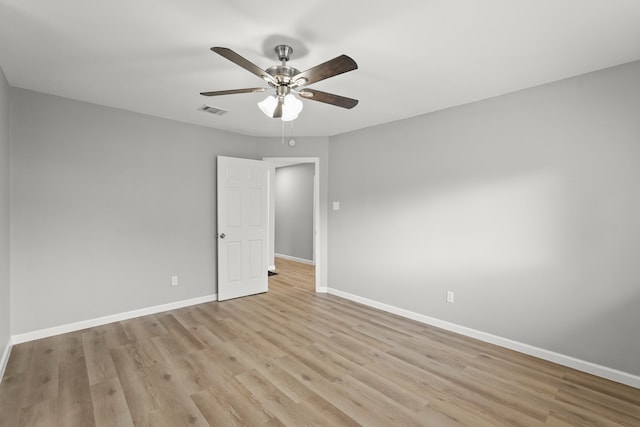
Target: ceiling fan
{"points": [[287, 81]]}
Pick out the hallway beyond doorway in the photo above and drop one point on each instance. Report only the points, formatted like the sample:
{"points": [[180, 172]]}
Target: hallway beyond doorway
{"points": [[294, 274]]}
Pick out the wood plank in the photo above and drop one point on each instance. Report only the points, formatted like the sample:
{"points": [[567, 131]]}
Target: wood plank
{"points": [[292, 387], [131, 358], [13, 389], [142, 328], [230, 404], [110, 405], [13, 397], [170, 406], [42, 382], [75, 407], [97, 354], [41, 414], [276, 402], [140, 397]]}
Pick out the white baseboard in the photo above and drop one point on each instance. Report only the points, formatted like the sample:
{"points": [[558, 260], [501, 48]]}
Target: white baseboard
{"points": [[5, 358], [322, 289], [561, 359], [71, 327], [292, 258]]}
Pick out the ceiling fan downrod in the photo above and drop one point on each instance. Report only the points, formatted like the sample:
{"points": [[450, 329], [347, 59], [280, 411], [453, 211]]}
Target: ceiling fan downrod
{"points": [[284, 53]]}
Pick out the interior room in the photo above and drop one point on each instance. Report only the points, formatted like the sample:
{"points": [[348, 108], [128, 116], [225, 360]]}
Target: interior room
{"points": [[455, 242]]}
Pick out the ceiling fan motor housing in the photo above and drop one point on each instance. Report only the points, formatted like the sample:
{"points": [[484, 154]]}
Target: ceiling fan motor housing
{"points": [[284, 74]]}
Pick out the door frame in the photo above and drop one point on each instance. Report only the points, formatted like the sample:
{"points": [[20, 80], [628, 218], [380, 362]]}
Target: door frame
{"points": [[318, 259]]}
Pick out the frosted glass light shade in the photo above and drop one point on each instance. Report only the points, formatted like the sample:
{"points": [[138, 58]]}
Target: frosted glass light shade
{"points": [[268, 105], [291, 107]]}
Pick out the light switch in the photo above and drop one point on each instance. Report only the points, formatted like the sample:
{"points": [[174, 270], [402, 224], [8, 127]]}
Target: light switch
{"points": [[336, 206]]}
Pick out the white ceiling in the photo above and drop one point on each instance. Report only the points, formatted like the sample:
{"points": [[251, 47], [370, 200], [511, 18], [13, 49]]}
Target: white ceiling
{"points": [[414, 57]]}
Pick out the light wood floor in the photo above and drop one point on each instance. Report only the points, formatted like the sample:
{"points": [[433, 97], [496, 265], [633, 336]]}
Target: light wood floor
{"points": [[294, 274], [291, 357]]}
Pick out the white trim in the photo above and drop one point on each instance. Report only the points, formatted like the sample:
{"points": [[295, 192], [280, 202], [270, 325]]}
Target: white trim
{"points": [[561, 359], [322, 290], [72, 327], [292, 258], [5, 358]]}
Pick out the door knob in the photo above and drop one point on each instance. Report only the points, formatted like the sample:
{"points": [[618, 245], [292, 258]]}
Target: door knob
{"points": [[222, 236]]}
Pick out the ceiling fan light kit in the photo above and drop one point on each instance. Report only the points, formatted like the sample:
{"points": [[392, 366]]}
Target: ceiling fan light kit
{"points": [[291, 107], [286, 80]]}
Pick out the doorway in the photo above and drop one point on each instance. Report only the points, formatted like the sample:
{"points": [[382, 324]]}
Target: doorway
{"points": [[317, 259]]}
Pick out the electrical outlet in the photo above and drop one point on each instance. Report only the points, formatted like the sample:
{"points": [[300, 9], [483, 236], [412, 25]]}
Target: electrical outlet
{"points": [[174, 280], [450, 297]]}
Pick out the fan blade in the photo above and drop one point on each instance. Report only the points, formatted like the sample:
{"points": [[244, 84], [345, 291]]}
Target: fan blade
{"points": [[277, 113], [244, 63], [333, 67], [233, 91], [328, 98]]}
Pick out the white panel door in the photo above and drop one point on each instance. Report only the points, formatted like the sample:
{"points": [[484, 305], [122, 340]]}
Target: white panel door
{"points": [[243, 227]]}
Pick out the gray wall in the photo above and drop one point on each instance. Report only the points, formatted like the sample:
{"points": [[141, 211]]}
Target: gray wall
{"points": [[5, 305], [294, 211], [106, 205], [527, 206]]}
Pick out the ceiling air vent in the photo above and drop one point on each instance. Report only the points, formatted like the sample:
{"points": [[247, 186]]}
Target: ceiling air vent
{"points": [[213, 110]]}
